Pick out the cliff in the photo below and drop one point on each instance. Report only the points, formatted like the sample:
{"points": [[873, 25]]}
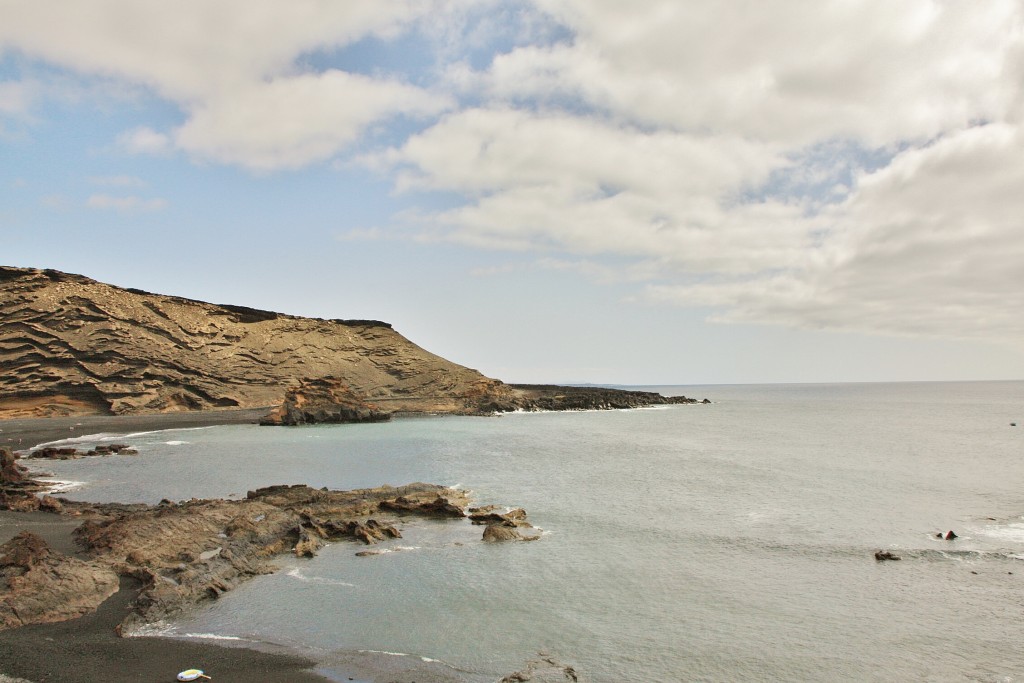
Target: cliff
{"points": [[73, 346]]}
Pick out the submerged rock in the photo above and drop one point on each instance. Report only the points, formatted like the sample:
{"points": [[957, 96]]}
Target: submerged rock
{"points": [[884, 555], [545, 669], [505, 531]]}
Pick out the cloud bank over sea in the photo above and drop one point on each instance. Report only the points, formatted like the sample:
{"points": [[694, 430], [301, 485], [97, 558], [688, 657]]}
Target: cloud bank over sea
{"points": [[839, 166]]}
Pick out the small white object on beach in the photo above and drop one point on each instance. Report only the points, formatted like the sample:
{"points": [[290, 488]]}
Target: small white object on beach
{"points": [[192, 674]]}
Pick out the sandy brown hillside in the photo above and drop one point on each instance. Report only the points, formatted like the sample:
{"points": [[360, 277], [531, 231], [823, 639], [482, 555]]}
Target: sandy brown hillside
{"points": [[70, 345]]}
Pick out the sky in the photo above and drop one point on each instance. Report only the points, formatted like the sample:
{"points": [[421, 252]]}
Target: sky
{"points": [[651, 192]]}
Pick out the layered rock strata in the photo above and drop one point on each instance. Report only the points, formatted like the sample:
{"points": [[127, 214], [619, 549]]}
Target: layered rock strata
{"points": [[73, 346]]}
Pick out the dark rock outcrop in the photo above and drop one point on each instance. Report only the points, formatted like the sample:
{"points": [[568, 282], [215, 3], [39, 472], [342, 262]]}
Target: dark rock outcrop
{"points": [[68, 453], [884, 555], [189, 552], [10, 471], [441, 506], [326, 400], [507, 531], [544, 669], [39, 585], [489, 516], [17, 490], [533, 397]]}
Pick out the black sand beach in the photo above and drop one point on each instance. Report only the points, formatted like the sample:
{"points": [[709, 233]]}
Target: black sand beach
{"points": [[25, 433], [88, 649]]}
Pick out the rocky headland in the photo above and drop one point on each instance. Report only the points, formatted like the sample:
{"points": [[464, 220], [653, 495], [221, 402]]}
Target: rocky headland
{"points": [[72, 346], [78, 353], [184, 553]]}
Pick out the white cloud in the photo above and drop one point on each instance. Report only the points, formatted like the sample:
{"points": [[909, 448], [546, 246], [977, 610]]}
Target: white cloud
{"points": [[780, 71], [16, 97], [812, 164], [233, 67], [816, 166], [144, 140], [193, 49], [128, 204], [931, 244], [295, 121], [585, 186]]}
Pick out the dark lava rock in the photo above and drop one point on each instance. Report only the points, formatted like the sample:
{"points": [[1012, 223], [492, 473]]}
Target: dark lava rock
{"points": [[545, 669], [323, 401]]}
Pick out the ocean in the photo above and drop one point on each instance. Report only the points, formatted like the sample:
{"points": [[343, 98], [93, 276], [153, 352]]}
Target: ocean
{"points": [[721, 542]]}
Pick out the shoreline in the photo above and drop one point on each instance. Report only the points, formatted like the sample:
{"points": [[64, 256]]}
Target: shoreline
{"points": [[88, 649], [21, 434]]}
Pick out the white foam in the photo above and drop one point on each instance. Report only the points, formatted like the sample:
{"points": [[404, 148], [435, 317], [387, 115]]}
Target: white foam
{"points": [[61, 485], [401, 654], [1005, 532], [209, 636], [163, 431], [177, 443], [87, 438], [157, 628], [296, 573]]}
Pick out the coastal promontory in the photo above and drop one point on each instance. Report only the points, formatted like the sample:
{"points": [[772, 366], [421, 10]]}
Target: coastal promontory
{"points": [[73, 346]]}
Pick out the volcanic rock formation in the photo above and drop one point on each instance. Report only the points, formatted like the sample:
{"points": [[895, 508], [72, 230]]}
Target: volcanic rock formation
{"points": [[186, 553], [74, 346]]}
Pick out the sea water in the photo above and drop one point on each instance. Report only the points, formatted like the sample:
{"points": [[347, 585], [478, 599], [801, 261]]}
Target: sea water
{"points": [[721, 542]]}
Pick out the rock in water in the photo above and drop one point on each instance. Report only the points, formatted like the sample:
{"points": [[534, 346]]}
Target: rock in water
{"points": [[505, 531], [545, 669], [883, 555]]}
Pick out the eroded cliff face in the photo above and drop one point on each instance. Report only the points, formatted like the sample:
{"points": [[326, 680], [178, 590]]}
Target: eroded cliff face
{"points": [[73, 346]]}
